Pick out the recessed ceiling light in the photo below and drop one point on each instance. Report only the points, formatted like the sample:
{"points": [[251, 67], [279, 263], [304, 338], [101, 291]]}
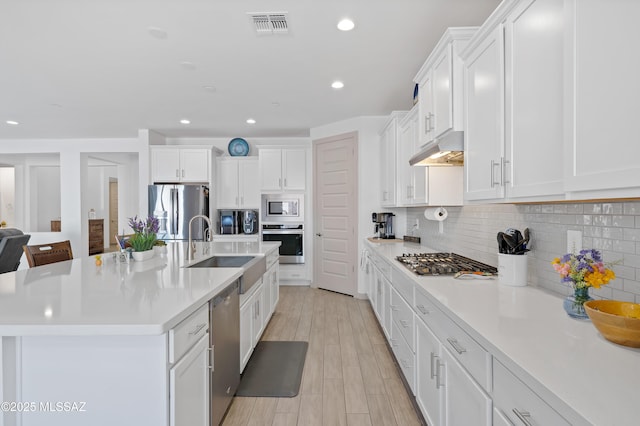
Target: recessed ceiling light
{"points": [[209, 88], [13, 123], [251, 121], [337, 85], [158, 33], [275, 104], [56, 105], [185, 121], [346, 25], [188, 65]]}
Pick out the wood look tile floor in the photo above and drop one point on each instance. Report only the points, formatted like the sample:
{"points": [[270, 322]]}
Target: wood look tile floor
{"points": [[349, 375]]}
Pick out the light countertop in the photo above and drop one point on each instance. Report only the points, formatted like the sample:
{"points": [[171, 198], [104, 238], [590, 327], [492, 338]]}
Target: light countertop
{"points": [[139, 298], [527, 329]]}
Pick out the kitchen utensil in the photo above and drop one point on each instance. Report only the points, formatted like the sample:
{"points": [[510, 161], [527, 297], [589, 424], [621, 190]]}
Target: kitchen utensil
{"points": [[511, 243], [617, 321], [501, 242]]}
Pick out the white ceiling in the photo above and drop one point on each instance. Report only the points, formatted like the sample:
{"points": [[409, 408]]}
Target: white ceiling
{"points": [[91, 68]]}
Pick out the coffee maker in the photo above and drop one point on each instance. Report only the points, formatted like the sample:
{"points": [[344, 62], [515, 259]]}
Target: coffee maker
{"points": [[384, 225], [250, 222]]}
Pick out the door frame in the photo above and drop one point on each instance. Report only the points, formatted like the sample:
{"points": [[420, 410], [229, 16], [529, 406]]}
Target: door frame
{"points": [[353, 137]]}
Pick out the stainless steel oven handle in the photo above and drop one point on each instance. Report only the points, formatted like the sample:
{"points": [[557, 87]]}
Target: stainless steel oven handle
{"points": [[292, 232]]}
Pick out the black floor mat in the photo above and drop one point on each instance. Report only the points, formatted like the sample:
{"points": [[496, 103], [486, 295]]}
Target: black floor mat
{"points": [[274, 370]]}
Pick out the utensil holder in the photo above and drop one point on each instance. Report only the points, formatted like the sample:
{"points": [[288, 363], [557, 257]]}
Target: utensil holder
{"points": [[512, 269]]}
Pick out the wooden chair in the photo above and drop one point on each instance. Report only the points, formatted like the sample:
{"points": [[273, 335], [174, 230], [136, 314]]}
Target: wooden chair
{"points": [[43, 254]]}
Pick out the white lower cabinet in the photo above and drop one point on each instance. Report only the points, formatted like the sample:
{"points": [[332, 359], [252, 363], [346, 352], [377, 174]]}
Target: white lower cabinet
{"points": [[519, 403], [256, 308], [251, 322], [189, 387], [429, 389], [465, 402], [246, 336]]}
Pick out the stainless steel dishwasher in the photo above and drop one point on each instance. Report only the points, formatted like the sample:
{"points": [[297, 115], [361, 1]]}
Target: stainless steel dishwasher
{"points": [[225, 349]]}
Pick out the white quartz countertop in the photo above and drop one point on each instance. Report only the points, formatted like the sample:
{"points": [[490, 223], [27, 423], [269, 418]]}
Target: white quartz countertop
{"points": [[139, 298], [527, 329]]}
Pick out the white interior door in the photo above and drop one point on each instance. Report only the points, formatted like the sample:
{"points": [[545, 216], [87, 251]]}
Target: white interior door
{"points": [[335, 213]]}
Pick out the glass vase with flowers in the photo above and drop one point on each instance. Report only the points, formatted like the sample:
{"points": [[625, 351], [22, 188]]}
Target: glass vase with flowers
{"points": [[582, 271]]}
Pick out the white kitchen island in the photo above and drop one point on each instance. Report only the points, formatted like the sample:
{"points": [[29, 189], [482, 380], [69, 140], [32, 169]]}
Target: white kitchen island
{"points": [[96, 345]]}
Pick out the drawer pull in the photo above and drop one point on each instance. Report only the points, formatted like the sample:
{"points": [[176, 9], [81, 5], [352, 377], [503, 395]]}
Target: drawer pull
{"points": [[394, 308], [433, 358], [422, 309], [393, 343], [404, 363], [197, 328], [522, 416], [404, 323], [453, 342]]}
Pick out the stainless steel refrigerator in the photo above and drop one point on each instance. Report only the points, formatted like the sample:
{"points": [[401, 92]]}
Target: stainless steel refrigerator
{"points": [[174, 206]]}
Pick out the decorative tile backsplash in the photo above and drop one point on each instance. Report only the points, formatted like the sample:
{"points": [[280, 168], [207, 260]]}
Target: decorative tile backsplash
{"points": [[613, 228]]}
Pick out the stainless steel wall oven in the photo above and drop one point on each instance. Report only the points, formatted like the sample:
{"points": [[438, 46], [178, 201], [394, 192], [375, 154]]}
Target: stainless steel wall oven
{"points": [[292, 238]]}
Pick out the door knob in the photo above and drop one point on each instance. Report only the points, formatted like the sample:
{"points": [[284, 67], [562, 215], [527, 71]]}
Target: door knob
{"points": [[319, 235]]}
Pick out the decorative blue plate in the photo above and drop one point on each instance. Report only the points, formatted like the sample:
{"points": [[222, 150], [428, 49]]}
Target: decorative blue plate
{"points": [[238, 147]]}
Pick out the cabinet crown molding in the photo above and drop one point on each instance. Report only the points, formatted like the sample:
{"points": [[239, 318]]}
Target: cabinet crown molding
{"points": [[450, 35]]}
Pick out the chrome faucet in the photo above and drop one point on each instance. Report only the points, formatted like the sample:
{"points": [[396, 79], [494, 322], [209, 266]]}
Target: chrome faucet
{"points": [[192, 245]]}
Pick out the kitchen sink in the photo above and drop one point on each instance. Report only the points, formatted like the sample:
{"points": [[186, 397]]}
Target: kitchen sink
{"points": [[254, 267]]}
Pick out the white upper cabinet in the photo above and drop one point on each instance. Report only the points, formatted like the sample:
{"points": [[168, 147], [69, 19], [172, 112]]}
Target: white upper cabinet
{"points": [[513, 104], [412, 181], [172, 164], [282, 169], [441, 86], [236, 183], [388, 158], [484, 119], [602, 99]]}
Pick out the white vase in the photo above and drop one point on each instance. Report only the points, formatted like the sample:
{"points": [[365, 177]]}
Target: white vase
{"points": [[140, 256]]}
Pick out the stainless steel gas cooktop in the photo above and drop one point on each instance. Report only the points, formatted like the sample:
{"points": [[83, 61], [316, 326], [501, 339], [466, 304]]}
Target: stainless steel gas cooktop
{"points": [[444, 264]]}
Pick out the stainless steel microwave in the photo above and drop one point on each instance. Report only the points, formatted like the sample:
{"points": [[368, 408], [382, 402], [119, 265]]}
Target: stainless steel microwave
{"points": [[277, 208]]}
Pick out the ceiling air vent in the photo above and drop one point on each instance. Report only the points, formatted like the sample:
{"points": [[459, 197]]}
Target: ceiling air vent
{"points": [[270, 22]]}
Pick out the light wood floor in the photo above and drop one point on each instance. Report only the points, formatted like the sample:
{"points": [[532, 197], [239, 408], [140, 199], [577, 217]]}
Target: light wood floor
{"points": [[349, 375]]}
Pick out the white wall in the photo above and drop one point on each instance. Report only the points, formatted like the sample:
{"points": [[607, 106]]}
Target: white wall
{"points": [[45, 196], [368, 129], [7, 196]]}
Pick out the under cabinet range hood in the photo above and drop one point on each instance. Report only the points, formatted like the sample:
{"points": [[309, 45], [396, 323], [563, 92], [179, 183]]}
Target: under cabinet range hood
{"points": [[447, 150]]}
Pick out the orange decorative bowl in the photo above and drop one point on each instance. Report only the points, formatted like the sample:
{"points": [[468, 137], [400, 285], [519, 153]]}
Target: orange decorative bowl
{"points": [[617, 321]]}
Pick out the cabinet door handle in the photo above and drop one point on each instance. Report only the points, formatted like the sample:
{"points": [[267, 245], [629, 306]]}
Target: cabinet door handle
{"points": [[211, 358], [182, 172], [404, 323], [280, 182], [177, 173], [285, 182], [493, 173], [439, 383], [459, 348], [197, 329], [431, 121], [434, 357], [426, 123], [422, 309], [504, 171], [522, 416]]}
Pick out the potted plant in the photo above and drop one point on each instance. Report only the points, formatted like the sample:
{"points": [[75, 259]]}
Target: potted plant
{"points": [[144, 237]]}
